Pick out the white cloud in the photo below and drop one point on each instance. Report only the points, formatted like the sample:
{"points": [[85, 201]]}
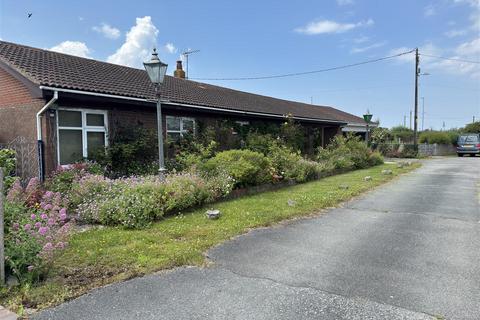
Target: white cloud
{"points": [[465, 51], [370, 47], [138, 44], [344, 2], [429, 10], [170, 48], [107, 30], [361, 39], [75, 48], [328, 26], [455, 33]]}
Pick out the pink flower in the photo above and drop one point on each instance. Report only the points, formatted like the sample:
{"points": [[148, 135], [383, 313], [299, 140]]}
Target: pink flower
{"points": [[30, 268], [60, 245], [51, 222], [27, 227], [38, 225], [48, 207], [42, 230], [43, 216], [48, 246], [48, 194], [33, 216], [15, 226]]}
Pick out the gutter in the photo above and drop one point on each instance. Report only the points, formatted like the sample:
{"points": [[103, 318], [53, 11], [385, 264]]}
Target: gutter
{"points": [[41, 160], [341, 123]]}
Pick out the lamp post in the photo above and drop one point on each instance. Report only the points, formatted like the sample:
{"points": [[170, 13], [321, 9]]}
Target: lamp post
{"points": [[156, 72], [368, 118]]}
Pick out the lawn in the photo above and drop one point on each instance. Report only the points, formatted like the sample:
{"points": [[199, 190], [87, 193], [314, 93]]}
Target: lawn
{"points": [[104, 255]]}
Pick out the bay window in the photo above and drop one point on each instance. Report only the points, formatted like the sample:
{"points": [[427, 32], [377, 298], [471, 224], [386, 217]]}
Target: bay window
{"points": [[178, 126], [81, 133]]}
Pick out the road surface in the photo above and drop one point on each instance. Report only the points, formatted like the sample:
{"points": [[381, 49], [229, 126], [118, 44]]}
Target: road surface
{"points": [[408, 250]]}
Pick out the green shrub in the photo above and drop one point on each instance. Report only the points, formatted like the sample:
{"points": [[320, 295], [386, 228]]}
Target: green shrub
{"points": [[7, 162], [137, 201], [132, 151], [472, 128], [432, 137], [303, 170], [261, 143], [345, 153], [375, 158], [247, 167], [62, 179], [403, 133]]}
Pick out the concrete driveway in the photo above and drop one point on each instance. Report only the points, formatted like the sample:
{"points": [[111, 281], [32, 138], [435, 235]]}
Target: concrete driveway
{"points": [[409, 250]]}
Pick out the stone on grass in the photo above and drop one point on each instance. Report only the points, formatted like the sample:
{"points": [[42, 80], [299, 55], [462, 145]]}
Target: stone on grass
{"points": [[367, 178], [344, 186], [387, 172], [213, 214], [291, 202]]}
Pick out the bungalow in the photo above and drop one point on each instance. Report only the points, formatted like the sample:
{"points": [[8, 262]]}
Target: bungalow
{"points": [[66, 106]]}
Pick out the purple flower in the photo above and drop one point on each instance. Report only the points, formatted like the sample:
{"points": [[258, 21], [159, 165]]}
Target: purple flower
{"points": [[48, 194], [30, 268], [61, 245], [48, 246], [42, 230], [43, 216], [48, 207], [63, 211], [38, 225], [51, 222], [15, 226], [33, 216], [27, 227]]}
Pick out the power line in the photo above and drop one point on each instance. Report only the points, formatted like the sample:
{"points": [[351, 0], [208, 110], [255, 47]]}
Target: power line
{"points": [[306, 72], [452, 59]]}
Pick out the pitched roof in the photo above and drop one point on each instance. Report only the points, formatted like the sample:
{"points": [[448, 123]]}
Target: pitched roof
{"points": [[53, 69]]}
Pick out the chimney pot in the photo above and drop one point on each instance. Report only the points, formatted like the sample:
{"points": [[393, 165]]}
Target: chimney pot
{"points": [[179, 73]]}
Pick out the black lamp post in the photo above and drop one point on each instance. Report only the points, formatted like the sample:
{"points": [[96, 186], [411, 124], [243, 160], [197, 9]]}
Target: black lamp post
{"points": [[156, 71], [368, 118]]}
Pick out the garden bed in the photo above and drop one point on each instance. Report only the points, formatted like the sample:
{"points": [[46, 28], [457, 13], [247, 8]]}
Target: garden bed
{"points": [[104, 255]]}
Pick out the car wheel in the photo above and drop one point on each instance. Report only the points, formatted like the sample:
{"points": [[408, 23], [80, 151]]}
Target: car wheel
{"points": [[460, 154]]}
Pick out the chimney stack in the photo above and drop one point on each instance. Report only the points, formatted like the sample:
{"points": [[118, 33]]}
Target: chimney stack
{"points": [[179, 73]]}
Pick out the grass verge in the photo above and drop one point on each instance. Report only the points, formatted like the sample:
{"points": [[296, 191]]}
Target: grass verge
{"points": [[105, 255]]}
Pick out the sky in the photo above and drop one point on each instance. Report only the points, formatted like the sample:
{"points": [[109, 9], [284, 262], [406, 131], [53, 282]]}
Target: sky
{"points": [[249, 38]]}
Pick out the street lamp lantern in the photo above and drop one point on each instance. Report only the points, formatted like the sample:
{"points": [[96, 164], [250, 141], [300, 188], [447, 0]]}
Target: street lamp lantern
{"points": [[368, 118], [156, 72], [156, 69]]}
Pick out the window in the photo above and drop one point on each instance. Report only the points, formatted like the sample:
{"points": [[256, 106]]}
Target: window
{"points": [[177, 126], [81, 134]]}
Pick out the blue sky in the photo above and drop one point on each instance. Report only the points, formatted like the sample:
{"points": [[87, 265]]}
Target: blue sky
{"points": [[255, 38]]}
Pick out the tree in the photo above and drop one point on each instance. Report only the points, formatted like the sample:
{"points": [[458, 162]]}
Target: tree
{"points": [[472, 127]]}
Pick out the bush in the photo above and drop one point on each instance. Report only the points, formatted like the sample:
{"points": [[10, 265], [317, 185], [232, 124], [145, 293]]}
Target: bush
{"points": [[136, 202], [247, 167], [345, 153], [7, 162], [432, 137], [35, 231], [375, 158], [472, 127], [132, 151], [303, 170], [403, 133], [62, 179]]}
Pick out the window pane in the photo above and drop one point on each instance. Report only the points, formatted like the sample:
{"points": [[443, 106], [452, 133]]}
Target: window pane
{"points": [[174, 136], [188, 125], [95, 120], [173, 123], [69, 118], [71, 147], [95, 143]]}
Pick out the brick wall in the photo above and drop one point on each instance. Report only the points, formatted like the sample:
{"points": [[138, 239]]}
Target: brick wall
{"points": [[17, 110]]}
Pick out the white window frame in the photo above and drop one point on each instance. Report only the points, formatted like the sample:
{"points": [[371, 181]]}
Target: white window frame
{"points": [[85, 129], [182, 130]]}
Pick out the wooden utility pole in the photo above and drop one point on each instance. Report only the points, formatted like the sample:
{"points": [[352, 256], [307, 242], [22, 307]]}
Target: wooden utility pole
{"points": [[2, 247], [415, 117]]}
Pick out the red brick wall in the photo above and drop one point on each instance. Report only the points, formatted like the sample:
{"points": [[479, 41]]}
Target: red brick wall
{"points": [[17, 110]]}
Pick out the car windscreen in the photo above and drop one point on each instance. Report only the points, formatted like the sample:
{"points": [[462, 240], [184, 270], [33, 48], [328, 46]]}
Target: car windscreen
{"points": [[468, 139]]}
